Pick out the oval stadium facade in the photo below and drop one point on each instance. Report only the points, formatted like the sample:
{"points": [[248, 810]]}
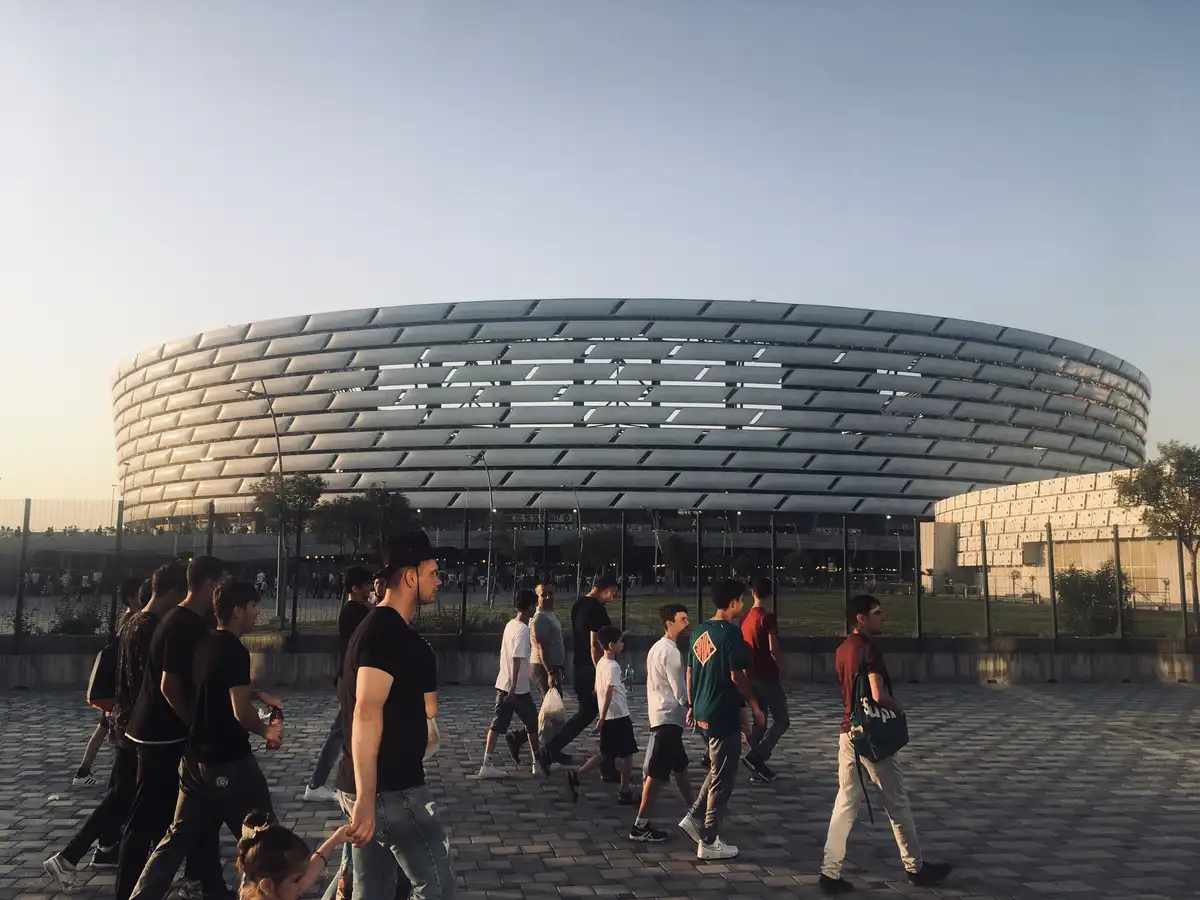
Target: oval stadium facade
{"points": [[621, 404]]}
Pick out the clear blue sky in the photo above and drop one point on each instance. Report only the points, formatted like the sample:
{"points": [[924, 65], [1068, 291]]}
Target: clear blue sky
{"points": [[168, 167]]}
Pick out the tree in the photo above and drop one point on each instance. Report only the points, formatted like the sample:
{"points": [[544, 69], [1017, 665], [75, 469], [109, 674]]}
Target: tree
{"points": [[340, 521], [389, 512], [1087, 601], [678, 553], [747, 563], [285, 498], [601, 549], [1168, 490]]}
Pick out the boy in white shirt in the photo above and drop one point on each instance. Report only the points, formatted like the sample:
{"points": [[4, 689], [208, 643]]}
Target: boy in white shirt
{"points": [[512, 687], [617, 742], [666, 700]]}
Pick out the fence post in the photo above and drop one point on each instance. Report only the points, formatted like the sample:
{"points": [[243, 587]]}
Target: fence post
{"points": [[296, 573], [624, 576], [917, 574], [1120, 591], [774, 571], [112, 607], [699, 585], [545, 546], [212, 524], [987, 589], [19, 608], [846, 573], [1182, 584], [1053, 590], [462, 608]]}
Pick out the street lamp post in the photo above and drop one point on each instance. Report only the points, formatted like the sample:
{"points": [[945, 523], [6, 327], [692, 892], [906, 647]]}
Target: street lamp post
{"points": [[481, 457], [280, 601], [579, 531]]}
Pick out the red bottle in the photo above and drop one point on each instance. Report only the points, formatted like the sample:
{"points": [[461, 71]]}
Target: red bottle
{"points": [[275, 719]]}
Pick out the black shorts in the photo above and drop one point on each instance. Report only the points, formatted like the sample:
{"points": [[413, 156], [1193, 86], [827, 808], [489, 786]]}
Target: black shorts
{"points": [[616, 738], [506, 705], [665, 754]]}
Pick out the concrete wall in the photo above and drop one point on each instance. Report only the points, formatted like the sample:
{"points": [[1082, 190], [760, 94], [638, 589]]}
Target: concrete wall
{"points": [[64, 663]]}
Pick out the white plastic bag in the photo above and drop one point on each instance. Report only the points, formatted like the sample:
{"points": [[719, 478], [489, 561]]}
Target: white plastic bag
{"points": [[552, 716]]}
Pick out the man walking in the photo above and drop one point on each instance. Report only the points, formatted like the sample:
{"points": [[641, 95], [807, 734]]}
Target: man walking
{"points": [[547, 661], [104, 825], [761, 632], [588, 616], [357, 585], [389, 715], [160, 726], [666, 699], [858, 652], [717, 684], [513, 693], [221, 780]]}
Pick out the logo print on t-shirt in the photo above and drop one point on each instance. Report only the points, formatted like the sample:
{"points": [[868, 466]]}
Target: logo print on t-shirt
{"points": [[704, 648]]}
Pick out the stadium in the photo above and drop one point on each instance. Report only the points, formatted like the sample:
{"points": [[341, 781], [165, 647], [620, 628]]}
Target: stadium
{"points": [[586, 407]]}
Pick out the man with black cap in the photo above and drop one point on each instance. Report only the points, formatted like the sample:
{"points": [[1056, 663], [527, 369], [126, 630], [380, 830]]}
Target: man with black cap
{"points": [[588, 616], [388, 696]]}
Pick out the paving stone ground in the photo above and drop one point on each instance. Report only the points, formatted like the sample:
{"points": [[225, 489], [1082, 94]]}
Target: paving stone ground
{"points": [[1031, 791]]}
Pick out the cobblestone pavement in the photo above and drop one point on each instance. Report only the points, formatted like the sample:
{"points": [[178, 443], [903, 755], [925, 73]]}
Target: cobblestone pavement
{"points": [[1029, 790]]}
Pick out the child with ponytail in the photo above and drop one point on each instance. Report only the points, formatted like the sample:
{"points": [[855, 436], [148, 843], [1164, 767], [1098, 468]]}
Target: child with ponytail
{"points": [[275, 862]]}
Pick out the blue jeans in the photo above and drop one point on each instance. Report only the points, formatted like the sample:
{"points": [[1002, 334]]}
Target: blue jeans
{"points": [[330, 751], [407, 833]]}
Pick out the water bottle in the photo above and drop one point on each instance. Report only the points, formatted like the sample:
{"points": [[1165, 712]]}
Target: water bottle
{"points": [[275, 719], [629, 672]]}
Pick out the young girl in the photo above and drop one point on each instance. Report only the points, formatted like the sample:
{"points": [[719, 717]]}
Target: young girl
{"points": [[617, 742], [275, 862]]}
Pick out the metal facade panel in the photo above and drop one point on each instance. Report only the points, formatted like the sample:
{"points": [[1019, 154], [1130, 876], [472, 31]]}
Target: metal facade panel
{"points": [[985, 405]]}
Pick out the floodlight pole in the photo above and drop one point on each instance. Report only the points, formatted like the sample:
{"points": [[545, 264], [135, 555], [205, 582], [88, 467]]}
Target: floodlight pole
{"points": [[280, 597]]}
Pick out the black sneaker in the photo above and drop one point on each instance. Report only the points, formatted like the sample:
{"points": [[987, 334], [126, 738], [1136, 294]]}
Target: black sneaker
{"points": [[931, 874], [758, 769], [647, 834], [834, 885], [544, 760], [106, 857], [513, 739], [563, 759], [573, 785], [625, 798]]}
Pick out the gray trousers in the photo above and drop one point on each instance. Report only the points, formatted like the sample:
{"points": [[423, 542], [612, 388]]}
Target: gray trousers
{"points": [[722, 755], [409, 834], [773, 702], [330, 751]]}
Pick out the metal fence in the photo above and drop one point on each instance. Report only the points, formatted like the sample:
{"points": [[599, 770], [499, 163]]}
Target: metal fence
{"points": [[62, 563]]}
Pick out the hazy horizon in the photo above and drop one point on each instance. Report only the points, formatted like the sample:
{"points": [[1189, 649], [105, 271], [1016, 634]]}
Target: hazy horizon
{"points": [[170, 170]]}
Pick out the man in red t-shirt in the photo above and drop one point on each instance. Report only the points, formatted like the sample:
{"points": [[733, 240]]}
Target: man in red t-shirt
{"points": [[856, 652], [760, 630]]}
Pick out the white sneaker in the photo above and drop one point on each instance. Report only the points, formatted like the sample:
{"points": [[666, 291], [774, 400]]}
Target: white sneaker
{"points": [[718, 849], [538, 771], [61, 871], [320, 794], [86, 781], [490, 770], [690, 827]]}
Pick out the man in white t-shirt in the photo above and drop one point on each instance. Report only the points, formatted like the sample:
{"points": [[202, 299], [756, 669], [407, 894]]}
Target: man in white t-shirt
{"points": [[513, 687], [666, 700]]}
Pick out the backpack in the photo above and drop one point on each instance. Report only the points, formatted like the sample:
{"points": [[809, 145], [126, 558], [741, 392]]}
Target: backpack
{"points": [[102, 683], [876, 733]]}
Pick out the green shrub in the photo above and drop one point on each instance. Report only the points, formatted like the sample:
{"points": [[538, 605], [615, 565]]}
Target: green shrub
{"points": [[77, 617], [1087, 601]]}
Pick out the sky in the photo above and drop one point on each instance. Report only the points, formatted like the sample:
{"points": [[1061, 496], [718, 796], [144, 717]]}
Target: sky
{"points": [[169, 168]]}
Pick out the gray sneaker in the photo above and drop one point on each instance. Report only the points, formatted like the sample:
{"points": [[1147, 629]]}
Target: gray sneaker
{"points": [[61, 871]]}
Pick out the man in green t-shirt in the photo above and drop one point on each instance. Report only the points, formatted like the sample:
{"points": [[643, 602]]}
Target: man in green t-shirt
{"points": [[717, 685]]}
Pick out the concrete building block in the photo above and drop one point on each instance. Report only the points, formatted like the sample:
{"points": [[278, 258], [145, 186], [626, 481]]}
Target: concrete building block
{"points": [[1029, 489], [1052, 487], [1062, 521], [1000, 510], [1072, 501], [973, 542], [969, 528], [1104, 480], [1022, 507], [1006, 492], [1045, 505], [971, 499], [1014, 526], [1081, 484], [987, 496], [970, 558]]}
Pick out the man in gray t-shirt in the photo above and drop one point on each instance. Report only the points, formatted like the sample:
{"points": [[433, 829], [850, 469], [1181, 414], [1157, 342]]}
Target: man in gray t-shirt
{"points": [[548, 654]]}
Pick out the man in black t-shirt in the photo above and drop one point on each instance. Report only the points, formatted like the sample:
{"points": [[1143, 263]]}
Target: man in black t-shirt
{"points": [[158, 727], [221, 781], [388, 697], [357, 584], [169, 586], [588, 616]]}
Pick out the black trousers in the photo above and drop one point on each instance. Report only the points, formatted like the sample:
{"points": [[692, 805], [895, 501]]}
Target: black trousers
{"points": [[155, 796], [209, 795], [105, 824]]}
